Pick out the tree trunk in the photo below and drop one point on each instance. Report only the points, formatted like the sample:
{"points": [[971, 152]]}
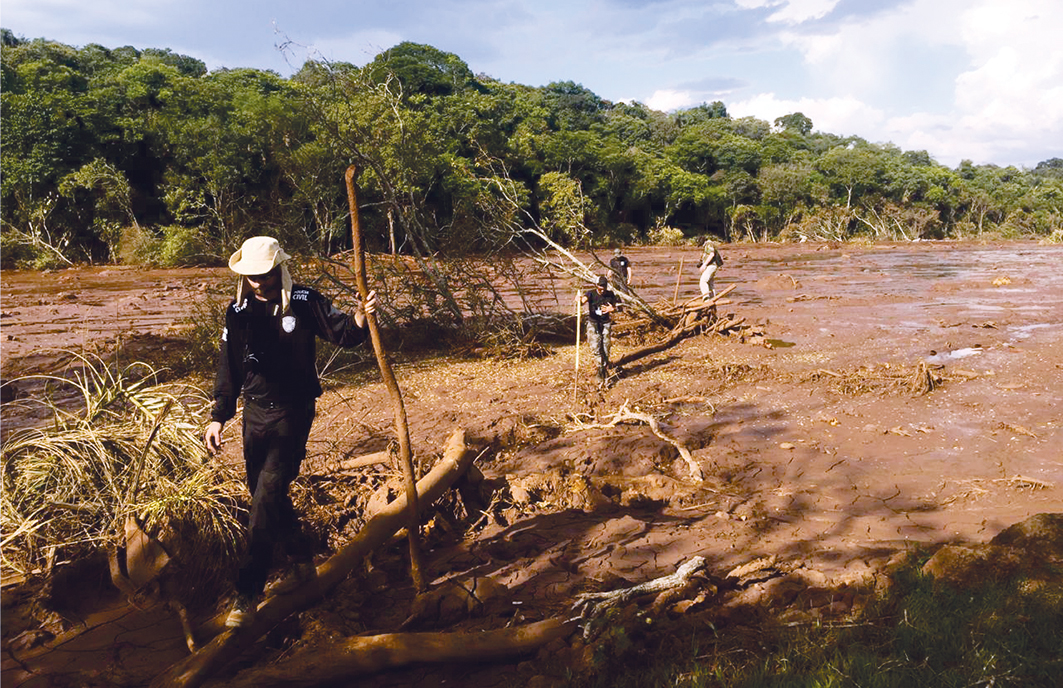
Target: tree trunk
{"points": [[333, 663]]}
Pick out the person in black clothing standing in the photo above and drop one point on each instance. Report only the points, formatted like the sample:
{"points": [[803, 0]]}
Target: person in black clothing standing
{"points": [[267, 353], [600, 303], [621, 267]]}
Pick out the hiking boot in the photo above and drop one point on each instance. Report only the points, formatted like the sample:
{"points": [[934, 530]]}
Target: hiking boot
{"points": [[242, 614]]}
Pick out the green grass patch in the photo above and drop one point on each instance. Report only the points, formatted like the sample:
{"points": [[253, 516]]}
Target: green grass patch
{"points": [[919, 636]]}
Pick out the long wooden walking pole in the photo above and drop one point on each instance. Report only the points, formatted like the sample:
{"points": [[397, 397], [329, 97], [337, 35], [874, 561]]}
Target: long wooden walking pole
{"points": [[579, 312], [402, 428], [678, 277]]}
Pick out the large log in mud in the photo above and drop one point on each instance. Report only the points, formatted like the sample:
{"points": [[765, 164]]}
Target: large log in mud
{"points": [[198, 667], [350, 657]]}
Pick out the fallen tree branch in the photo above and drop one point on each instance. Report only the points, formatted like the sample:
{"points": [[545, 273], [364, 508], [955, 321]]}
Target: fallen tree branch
{"points": [[667, 343], [380, 457], [590, 606], [626, 414], [728, 324], [687, 325], [198, 667], [369, 654], [698, 303]]}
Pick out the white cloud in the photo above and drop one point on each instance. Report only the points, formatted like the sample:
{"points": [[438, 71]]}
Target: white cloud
{"points": [[792, 11], [1016, 79], [1005, 85], [845, 116], [667, 100], [867, 54], [54, 19]]}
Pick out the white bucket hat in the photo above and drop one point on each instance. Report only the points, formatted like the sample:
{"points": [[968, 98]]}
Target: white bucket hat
{"points": [[257, 256]]}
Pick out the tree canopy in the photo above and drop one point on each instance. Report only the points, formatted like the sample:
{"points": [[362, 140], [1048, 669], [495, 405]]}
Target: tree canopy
{"points": [[105, 149]]}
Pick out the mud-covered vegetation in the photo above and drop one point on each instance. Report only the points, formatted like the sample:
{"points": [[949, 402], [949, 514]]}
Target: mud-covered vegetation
{"points": [[117, 445], [143, 156]]}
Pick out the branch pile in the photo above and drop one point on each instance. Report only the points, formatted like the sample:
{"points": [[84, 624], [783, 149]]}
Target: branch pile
{"points": [[687, 320]]}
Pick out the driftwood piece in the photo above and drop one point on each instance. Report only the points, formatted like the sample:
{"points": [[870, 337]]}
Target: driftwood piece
{"points": [[380, 457], [699, 304], [728, 324], [625, 414], [198, 667], [590, 606], [143, 569], [674, 313], [331, 664], [662, 345]]}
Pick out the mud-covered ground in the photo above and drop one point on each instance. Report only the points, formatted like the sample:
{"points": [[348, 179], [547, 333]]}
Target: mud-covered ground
{"points": [[818, 440]]}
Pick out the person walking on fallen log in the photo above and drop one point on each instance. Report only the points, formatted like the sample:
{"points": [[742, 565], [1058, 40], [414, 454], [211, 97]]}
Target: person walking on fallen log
{"points": [[267, 353], [621, 268], [711, 260], [600, 303]]}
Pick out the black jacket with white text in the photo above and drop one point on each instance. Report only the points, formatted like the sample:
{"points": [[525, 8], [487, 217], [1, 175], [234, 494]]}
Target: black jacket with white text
{"points": [[270, 356]]}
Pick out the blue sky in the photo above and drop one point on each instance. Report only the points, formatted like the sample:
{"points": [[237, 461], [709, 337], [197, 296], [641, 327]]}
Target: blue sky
{"points": [[963, 79]]}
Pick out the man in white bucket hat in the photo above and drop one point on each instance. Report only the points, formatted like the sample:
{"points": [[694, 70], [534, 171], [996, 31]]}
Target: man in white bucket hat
{"points": [[267, 353]]}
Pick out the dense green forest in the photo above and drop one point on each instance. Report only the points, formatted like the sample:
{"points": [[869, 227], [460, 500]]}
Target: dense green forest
{"points": [[145, 156]]}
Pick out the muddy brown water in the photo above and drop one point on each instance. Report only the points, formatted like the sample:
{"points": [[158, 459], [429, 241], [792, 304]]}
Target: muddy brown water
{"points": [[800, 466]]}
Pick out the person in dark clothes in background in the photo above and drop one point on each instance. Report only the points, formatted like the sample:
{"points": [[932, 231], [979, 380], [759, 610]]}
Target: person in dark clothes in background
{"points": [[621, 268]]}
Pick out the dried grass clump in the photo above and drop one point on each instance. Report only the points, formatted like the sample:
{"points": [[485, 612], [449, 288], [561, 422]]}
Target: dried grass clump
{"points": [[69, 486], [882, 379]]}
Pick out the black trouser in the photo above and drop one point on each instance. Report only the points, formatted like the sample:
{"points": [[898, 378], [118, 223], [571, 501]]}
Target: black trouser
{"points": [[274, 448]]}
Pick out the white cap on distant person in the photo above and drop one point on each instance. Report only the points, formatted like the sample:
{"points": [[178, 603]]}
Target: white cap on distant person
{"points": [[257, 256]]}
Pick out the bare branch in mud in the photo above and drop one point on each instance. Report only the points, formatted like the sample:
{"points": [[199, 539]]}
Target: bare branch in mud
{"points": [[691, 322], [625, 414], [591, 606], [376, 458], [369, 654]]}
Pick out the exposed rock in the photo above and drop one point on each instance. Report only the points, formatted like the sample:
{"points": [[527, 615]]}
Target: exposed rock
{"points": [[951, 563], [1031, 550], [1042, 532]]}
